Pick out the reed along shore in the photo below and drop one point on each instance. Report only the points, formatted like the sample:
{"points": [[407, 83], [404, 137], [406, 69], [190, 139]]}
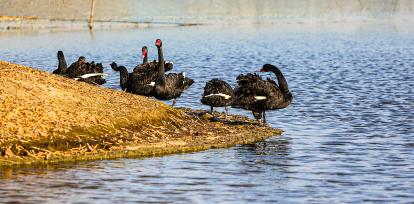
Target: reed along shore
{"points": [[46, 118]]}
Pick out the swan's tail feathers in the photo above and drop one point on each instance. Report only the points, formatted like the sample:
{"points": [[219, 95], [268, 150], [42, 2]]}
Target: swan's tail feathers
{"points": [[187, 82], [151, 84], [92, 75], [225, 96]]}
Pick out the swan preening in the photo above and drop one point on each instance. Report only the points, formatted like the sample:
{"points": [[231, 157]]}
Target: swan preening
{"points": [[150, 79], [251, 93], [258, 95], [80, 70]]}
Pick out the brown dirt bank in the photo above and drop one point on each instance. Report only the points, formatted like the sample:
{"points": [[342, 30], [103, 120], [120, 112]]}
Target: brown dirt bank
{"points": [[46, 118]]}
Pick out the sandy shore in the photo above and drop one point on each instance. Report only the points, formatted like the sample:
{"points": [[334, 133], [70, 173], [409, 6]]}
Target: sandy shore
{"points": [[46, 118]]}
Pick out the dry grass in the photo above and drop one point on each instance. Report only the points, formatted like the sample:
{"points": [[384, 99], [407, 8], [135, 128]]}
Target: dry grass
{"points": [[46, 118]]}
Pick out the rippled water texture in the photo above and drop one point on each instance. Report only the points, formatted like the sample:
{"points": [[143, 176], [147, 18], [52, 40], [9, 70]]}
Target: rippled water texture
{"points": [[349, 132]]}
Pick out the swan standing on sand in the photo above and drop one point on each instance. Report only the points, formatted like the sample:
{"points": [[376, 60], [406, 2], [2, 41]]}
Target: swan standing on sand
{"points": [[169, 86], [218, 93], [258, 95]]}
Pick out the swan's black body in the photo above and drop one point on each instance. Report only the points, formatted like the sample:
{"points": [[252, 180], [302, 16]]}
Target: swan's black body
{"points": [[141, 83], [258, 95], [91, 68], [79, 68], [169, 86], [217, 93]]}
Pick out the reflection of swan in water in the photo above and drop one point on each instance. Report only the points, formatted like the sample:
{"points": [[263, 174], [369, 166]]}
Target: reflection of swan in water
{"points": [[273, 146], [274, 152]]}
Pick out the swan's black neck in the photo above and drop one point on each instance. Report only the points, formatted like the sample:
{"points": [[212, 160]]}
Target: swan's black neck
{"points": [[283, 85], [62, 66], [145, 59], [124, 76], [161, 68]]}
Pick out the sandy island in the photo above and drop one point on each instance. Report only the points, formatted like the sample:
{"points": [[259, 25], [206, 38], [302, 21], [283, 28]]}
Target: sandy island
{"points": [[46, 118]]}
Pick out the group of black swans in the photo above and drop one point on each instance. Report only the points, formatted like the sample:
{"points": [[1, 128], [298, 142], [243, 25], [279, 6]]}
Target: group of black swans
{"points": [[150, 79]]}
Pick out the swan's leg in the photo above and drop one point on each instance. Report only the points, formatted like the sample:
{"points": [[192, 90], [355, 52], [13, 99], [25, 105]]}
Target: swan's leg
{"points": [[173, 102], [211, 110], [259, 121], [214, 118], [264, 118], [227, 111]]}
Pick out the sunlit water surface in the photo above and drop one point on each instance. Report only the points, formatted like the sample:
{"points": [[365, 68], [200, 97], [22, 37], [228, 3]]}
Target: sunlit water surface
{"points": [[348, 134]]}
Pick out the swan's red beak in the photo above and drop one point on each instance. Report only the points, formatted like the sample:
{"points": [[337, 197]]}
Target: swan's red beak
{"points": [[144, 52], [158, 42], [260, 70]]}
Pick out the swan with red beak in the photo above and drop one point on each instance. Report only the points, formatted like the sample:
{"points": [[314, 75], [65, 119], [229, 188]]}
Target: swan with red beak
{"points": [[169, 86]]}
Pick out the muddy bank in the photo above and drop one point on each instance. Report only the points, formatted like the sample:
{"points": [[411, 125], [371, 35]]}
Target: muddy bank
{"points": [[46, 118]]}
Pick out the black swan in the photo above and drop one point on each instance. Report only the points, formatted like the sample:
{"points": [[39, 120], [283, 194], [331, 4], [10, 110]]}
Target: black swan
{"points": [[169, 86], [93, 74], [80, 70], [150, 66], [258, 95], [62, 66], [141, 83], [217, 93]]}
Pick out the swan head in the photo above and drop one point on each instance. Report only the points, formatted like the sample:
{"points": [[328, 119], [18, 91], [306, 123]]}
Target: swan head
{"points": [[267, 68], [144, 52], [113, 65], [158, 42], [60, 54], [82, 60]]}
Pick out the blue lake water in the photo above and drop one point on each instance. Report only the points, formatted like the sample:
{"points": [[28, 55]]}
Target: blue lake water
{"points": [[349, 133]]}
